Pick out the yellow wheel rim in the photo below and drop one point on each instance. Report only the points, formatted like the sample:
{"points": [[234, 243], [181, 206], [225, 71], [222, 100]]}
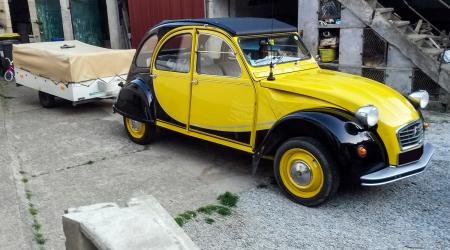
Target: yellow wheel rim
{"points": [[135, 128], [301, 173]]}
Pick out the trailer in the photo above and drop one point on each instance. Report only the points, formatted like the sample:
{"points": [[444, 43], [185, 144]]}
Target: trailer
{"points": [[71, 70]]}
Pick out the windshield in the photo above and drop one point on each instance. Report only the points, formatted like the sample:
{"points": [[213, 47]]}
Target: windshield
{"points": [[260, 51]]}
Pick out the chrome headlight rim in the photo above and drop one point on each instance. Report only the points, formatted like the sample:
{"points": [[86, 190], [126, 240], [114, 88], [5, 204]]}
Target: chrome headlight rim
{"points": [[368, 115], [420, 98]]}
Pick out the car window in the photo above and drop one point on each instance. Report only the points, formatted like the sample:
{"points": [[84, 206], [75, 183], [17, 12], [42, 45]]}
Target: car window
{"points": [[216, 57], [175, 54], [144, 56], [277, 49]]}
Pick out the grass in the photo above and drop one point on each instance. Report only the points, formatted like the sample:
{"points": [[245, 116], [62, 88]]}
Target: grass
{"points": [[224, 211], [209, 221], [228, 199], [33, 211], [28, 194], [210, 209], [36, 226], [39, 237], [180, 221]]}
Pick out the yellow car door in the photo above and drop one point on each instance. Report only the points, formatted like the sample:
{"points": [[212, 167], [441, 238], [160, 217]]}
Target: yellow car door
{"points": [[172, 78], [223, 96]]}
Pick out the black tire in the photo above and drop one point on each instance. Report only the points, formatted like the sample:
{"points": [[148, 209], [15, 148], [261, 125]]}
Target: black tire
{"points": [[330, 178], [46, 100], [144, 138]]}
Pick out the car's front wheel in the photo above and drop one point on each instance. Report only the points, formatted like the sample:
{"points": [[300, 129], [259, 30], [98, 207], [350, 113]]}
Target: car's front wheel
{"points": [[139, 132], [305, 171]]}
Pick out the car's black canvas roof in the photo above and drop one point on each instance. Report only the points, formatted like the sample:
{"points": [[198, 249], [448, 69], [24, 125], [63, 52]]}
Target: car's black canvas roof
{"points": [[238, 25]]}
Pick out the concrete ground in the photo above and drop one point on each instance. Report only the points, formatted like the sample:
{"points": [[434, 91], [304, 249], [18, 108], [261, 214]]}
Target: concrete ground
{"points": [[75, 156]]}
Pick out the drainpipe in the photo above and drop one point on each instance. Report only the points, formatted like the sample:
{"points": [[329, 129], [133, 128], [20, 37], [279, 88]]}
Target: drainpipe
{"points": [[66, 19], [113, 24]]}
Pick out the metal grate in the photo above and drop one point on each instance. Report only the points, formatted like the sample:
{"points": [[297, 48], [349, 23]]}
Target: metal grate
{"points": [[411, 135], [374, 49], [374, 74]]}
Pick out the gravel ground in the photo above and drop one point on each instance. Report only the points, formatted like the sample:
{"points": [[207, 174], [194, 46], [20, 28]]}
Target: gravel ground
{"points": [[410, 214]]}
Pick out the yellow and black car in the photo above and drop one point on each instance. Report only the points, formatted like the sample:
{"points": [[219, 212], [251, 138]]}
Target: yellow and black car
{"points": [[250, 84]]}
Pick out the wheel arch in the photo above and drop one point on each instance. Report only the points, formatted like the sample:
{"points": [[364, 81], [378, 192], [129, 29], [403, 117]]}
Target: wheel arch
{"points": [[336, 129], [136, 101]]}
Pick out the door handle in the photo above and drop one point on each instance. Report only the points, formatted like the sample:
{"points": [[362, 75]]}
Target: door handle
{"points": [[153, 76], [194, 82]]}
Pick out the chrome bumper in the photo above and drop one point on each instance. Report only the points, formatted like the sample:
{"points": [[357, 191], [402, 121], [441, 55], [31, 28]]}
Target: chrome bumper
{"points": [[392, 173]]}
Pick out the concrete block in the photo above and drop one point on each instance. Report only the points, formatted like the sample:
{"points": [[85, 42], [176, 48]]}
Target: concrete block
{"points": [[143, 224]]}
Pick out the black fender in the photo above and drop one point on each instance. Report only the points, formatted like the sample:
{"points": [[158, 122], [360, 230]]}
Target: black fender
{"points": [[135, 100], [338, 130]]}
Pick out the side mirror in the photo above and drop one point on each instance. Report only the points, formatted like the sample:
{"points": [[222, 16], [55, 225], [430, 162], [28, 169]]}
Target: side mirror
{"points": [[445, 57]]}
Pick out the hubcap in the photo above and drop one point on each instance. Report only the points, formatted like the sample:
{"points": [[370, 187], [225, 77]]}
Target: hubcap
{"points": [[301, 172], [135, 128], [135, 125]]}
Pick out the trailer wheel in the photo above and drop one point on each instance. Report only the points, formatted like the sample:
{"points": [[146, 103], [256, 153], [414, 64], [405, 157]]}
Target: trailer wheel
{"points": [[139, 132], [47, 100]]}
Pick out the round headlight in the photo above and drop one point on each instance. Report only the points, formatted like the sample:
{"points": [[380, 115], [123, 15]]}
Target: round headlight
{"points": [[420, 98], [368, 115]]}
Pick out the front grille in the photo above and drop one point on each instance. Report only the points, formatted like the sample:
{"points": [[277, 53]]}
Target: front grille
{"points": [[411, 135]]}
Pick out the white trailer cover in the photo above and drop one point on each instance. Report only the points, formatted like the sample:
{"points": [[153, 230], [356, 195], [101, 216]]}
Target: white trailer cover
{"points": [[71, 61]]}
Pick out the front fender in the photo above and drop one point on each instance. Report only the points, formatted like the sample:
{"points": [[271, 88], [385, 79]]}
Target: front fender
{"points": [[135, 100], [334, 128]]}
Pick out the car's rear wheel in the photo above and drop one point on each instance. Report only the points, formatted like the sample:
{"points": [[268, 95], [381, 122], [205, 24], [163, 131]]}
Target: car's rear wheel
{"points": [[305, 171], [139, 132], [47, 100]]}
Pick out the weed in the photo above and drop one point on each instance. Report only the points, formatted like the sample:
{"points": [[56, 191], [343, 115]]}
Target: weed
{"points": [[33, 211], [36, 226], [88, 163], [28, 194], [180, 221], [209, 221], [188, 215], [228, 199], [209, 209], [224, 211], [22, 172], [39, 237], [24, 179]]}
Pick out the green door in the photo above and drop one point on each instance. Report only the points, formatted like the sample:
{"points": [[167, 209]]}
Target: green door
{"points": [[50, 21], [86, 21]]}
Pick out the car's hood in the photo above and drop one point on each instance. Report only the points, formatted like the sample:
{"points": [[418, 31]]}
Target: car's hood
{"points": [[348, 92]]}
